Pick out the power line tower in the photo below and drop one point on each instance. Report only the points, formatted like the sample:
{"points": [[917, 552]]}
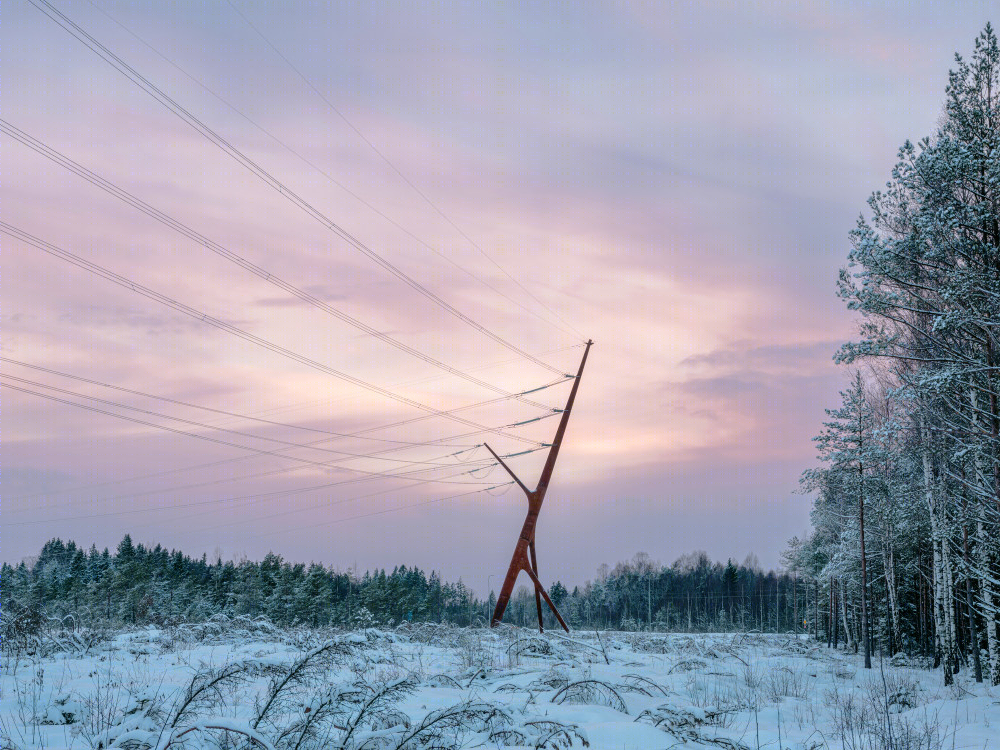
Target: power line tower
{"points": [[526, 542]]}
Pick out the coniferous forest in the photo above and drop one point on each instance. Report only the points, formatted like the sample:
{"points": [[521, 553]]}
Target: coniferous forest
{"points": [[906, 519], [136, 585]]}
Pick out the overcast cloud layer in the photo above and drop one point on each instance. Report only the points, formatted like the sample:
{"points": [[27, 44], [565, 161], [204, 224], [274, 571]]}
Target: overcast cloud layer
{"points": [[676, 181]]}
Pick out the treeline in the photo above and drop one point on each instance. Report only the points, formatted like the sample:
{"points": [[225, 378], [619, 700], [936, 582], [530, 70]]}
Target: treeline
{"points": [[906, 522], [694, 595], [137, 585], [140, 585]]}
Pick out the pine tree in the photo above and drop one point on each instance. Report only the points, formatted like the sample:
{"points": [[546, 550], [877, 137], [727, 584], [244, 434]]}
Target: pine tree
{"points": [[925, 275]]}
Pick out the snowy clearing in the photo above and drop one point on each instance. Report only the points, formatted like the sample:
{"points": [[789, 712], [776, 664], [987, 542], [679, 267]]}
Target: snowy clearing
{"points": [[241, 684]]}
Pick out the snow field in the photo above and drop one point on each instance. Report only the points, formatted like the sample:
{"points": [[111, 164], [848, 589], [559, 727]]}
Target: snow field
{"points": [[238, 684]]}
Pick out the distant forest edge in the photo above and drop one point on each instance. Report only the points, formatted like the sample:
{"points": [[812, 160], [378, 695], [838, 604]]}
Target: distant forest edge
{"points": [[137, 585]]}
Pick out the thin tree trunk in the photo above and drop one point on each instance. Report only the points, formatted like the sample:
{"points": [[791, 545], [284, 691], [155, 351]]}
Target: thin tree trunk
{"points": [[889, 561], [833, 613], [816, 609], [989, 607], [795, 601], [995, 436], [940, 635], [848, 640], [892, 600], [983, 542], [949, 600], [649, 602], [830, 618], [864, 569], [973, 633]]}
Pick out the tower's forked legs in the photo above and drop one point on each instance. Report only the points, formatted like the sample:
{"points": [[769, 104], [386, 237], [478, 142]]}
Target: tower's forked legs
{"points": [[526, 542]]}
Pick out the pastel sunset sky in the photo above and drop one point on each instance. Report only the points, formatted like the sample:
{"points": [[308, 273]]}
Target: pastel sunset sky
{"points": [[674, 180]]}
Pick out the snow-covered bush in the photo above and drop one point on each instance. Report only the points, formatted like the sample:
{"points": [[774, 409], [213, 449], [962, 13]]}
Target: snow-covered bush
{"points": [[690, 724], [19, 634], [785, 681]]}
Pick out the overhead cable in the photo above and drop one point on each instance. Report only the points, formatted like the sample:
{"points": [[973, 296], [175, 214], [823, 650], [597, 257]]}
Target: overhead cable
{"points": [[197, 436], [441, 442], [195, 503], [391, 510], [436, 463], [112, 59], [312, 165], [64, 161], [406, 179], [195, 406], [104, 273], [290, 445]]}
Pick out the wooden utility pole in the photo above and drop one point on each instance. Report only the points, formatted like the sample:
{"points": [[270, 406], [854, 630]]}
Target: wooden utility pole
{"points": [[526, 541]]}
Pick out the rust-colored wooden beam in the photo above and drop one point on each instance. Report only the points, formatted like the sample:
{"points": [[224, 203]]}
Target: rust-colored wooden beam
{"points": [[520, 561]]}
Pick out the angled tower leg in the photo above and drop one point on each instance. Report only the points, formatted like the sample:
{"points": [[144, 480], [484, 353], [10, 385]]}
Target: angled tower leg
{"points": [[538, 598], [539, 589], [526, 541]]}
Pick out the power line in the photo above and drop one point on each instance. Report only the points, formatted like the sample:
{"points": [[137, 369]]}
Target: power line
{"points": [[272, 472], [197, 436], [275, 493], [252, 500], [210, 483], [229, 328], [360, 434], [347, 456], [146, 292], [367, 474], [193, 406], [391, 510], [109, 187], [312, 446], [279, 493], [312, 507], [105, 54], [339, 184], [258, 475], [439, 442], [399, 172]]}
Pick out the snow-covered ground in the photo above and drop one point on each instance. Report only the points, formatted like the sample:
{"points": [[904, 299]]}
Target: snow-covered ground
{"points": [[236, 684]]}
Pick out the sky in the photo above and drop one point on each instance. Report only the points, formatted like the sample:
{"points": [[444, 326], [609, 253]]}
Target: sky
{"points": [[675, 181]]}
